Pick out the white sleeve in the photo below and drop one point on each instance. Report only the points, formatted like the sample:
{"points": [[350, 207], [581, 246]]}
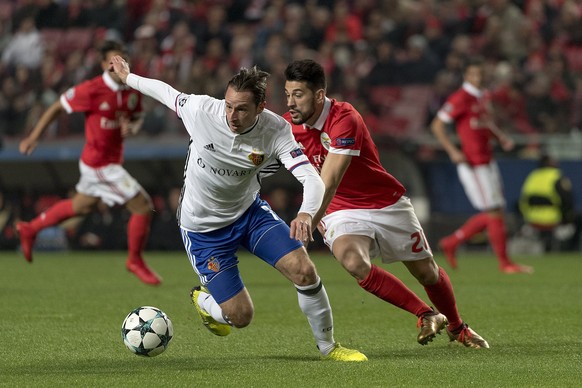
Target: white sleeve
{"points": [[313, 188], [154, 88]]}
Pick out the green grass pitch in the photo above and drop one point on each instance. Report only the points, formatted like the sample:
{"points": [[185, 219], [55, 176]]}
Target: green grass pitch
{"points": [[61, 318]]}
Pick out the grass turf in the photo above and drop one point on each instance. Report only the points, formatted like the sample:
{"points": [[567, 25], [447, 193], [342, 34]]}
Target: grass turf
{"points": [[61, 320]]}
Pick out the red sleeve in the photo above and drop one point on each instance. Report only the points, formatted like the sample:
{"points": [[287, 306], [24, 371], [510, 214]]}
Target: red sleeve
{"points": [[346, 131], [457, 106], [79, 97]]}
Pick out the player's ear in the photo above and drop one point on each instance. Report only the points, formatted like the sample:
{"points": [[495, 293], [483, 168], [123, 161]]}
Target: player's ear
{"points": [[261, 106], [320, 96]]}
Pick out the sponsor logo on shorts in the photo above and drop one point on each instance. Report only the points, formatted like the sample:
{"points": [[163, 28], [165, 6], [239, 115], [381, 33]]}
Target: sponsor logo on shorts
{"points": [[213, 264]]}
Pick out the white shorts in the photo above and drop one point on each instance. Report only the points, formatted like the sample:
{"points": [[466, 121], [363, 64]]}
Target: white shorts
{"points": [[483, 185], [111, 183], [395, 229]]}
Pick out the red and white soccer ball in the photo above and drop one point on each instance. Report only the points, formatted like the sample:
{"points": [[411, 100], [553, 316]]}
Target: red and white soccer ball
{"points": [[147, 331]]}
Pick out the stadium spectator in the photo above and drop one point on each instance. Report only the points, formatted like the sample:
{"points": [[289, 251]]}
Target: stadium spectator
{"points": [[112, 112], [478, 172], [547, 203], [25, 47], [232, 143], [365, 213]]}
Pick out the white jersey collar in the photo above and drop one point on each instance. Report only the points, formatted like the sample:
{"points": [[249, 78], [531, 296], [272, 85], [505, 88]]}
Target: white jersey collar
{"points": [[322, 117], [472, 90], [111, 84]]}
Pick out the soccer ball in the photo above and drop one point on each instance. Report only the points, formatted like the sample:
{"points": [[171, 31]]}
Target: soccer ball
{"points": [[147, 331]]}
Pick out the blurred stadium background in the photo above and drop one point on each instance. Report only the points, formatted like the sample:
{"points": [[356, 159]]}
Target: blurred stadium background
{"points": [[396, 61]]}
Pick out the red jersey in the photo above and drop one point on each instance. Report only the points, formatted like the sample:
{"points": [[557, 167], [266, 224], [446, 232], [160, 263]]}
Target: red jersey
{"points": [[103, 101], [340, 129], [467, 108]]}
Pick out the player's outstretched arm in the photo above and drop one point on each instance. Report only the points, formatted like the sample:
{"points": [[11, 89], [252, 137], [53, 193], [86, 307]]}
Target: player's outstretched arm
{"points": [[29, 143], [154, 88], [313, 189], [438, 128]]}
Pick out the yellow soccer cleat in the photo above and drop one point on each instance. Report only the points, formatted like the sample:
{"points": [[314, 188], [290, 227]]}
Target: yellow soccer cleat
{"points": [[215, 327], [339, 353]]}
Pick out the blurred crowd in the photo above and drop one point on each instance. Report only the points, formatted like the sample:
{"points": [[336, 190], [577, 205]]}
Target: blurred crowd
{"points": [[533, 50], [396, 61]]}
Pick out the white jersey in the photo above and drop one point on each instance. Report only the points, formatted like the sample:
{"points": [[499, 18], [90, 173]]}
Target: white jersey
{"points": [[223, 168]]}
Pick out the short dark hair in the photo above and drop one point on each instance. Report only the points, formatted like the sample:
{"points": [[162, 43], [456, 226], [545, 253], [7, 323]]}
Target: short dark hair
{"points": [[308, 71], [473, 61], [112, 45], [251, 80]]}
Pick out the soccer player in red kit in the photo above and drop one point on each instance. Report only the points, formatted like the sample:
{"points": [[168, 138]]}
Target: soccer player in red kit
{"points": [[112, 112], [365, 213], [468, 108]]}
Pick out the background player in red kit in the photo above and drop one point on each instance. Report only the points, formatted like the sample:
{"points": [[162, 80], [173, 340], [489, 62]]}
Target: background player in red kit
{"points": [[478, 172], [364, 213], [112, 112]]}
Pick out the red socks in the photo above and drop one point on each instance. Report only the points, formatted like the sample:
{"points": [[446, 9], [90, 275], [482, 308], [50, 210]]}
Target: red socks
{"points": [[389, 288], [60, 211], [498, 239], [472, 226], [442, 296], [138, 229]]}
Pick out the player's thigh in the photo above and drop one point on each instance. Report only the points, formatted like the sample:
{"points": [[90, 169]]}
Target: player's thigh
{"points": [[141, 203], [213, 258], [352, 251], [84, 204], [297, 267]]}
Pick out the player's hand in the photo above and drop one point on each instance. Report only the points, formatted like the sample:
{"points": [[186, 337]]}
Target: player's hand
{"points": [[301, 228], [457, 157], [120, 67], [506, 143], [127, 126], [27, 146]]}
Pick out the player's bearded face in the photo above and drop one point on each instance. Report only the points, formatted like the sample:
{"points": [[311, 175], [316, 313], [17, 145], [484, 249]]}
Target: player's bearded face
{"points": [[300, 102], [241, 110], [474, 76]]}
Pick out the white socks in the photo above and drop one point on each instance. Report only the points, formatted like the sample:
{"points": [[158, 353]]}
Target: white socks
{"points": [[314, 303], [208, 304]]}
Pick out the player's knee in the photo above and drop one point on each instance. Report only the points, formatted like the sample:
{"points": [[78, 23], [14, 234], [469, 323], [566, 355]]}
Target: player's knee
{"points": [[356, 265], [240, 318], [427, 272], [306, 274]]}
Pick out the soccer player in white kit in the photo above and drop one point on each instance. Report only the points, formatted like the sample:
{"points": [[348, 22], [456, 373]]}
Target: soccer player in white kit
{"points": [[365, 213], [468, 108], [233, 141]]}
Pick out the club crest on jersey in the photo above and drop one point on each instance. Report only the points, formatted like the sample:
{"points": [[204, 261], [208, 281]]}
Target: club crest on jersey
{"points": [[132, 101], [213, 264], [325, 140], [257, 158]]}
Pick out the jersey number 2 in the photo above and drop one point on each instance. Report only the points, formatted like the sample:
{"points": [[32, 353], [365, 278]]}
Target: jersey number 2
{"points": [[419, 243]]}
